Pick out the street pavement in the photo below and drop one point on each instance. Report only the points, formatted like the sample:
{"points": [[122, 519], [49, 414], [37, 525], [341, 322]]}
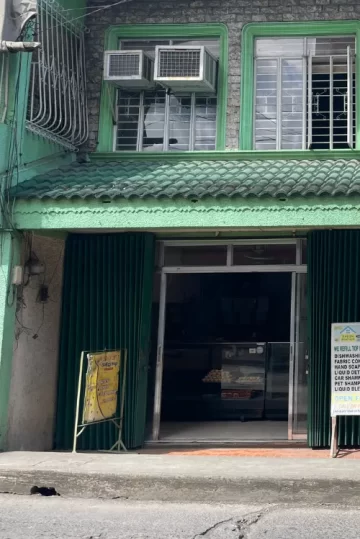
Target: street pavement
{"points": [[38, 517]]}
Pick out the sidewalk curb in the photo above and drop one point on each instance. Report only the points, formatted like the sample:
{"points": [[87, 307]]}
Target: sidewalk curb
{"points": [[182, 489]]}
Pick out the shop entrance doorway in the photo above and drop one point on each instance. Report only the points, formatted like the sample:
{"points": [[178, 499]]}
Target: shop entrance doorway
{"points": [[231, 358]]}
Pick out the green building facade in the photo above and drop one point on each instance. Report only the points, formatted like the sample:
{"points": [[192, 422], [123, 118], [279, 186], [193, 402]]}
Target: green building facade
{"points": [[153, 182]]}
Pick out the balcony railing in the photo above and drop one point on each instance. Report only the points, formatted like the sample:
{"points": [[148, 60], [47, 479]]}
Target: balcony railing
{"points": [[57, 108]]}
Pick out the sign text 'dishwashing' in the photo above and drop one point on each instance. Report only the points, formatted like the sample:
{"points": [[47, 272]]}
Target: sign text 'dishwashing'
{"points": [[345, 369]]}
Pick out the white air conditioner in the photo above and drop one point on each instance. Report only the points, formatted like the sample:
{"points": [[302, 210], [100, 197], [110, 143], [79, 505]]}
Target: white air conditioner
{"points": [[129, 69], [185, 68]]}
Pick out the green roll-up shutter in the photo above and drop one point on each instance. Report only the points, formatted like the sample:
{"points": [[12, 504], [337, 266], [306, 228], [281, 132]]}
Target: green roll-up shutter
{"points": [[334, 296], [107, 295]]}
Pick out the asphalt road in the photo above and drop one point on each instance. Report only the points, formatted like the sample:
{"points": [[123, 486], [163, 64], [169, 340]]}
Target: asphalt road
{"points": [[51, 518]]}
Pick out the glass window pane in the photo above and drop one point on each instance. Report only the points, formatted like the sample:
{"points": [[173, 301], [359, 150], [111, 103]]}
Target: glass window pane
{"points": [[278, 46], [179, 122], [251, 255], [304, 252], [154, 118], [266, 104], [205, 123], [212, 255], [327, 46], [128, 119], [292, 104]]}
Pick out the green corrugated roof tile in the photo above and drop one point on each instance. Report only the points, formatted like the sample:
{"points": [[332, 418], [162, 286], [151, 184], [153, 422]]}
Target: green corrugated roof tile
{"points": [[195, 179]]}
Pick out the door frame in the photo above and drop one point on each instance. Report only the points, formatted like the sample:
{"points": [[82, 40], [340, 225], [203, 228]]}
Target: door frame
{"points": [[294, 269]]}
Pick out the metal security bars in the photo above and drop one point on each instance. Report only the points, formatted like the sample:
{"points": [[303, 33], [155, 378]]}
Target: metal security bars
{"points": [[156, 119], [305, 93], [57, 108], [4, 85]]}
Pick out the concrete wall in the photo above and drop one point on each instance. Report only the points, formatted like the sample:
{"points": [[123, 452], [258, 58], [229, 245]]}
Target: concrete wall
{"points": [[234, 13], [33, 388]]}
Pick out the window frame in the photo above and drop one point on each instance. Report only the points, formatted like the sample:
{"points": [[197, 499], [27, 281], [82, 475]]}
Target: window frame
{"points": [[288, 29], [164, 31]]}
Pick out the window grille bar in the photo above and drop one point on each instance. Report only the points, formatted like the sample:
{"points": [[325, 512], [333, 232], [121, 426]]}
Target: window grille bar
{"points": [[304, 105], [331, 103], [140, 134], [279, 105], [166, 121], [350, 110], [310, 99], [57, 108], [192, 135]]}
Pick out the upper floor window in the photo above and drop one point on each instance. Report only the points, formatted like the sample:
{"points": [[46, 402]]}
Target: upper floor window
{"points": [[304, 93], [166, 118]]}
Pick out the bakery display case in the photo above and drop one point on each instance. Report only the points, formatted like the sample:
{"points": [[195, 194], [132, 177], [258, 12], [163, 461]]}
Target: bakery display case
{"points": [[240, 383], [214, 381]]}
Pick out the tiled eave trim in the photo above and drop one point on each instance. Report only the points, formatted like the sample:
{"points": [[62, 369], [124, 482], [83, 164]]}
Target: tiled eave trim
{"points": [[181, 214]]}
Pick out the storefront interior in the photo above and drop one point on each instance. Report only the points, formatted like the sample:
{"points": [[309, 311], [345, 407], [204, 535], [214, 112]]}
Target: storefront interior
{"points": [[226, 357], [226, 367]]}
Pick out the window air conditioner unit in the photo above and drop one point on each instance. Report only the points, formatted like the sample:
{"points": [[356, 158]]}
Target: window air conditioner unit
{"points": [[129, 69], [185, 68]]}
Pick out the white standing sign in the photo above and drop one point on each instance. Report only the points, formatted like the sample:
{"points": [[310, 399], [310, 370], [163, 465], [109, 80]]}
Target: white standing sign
{"points": [[345, 373]]}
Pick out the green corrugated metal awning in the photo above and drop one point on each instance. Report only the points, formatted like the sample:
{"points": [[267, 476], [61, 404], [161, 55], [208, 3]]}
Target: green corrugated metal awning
{"points": [[195, 179]]}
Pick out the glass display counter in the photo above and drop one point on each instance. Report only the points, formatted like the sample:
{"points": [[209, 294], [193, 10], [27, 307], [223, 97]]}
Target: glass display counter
{"points": [[214, 381]]}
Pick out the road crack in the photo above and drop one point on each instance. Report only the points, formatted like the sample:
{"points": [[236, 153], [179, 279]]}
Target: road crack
{"points": [[231, 528], [214, 527], [244, 525]]}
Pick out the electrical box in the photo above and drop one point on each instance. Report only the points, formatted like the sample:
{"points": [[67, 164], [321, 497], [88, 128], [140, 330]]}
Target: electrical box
{"points": [[17, 275]]}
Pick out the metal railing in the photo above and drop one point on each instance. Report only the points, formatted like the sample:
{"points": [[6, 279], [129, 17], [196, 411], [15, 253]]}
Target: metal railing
{"points": [[57, 107]]}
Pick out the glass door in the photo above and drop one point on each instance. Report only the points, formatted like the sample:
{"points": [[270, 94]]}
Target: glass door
{"points": [[298, 397]]}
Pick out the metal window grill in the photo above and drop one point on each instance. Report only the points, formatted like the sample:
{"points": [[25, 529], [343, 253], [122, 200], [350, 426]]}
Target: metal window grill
{"points": [[4, 85], [125, 65], [305, 99], [179, 63], [154, 120], [57, 107]]}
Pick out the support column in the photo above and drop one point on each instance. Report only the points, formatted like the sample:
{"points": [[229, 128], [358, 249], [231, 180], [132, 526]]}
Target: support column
{"points": [[9, 256]]}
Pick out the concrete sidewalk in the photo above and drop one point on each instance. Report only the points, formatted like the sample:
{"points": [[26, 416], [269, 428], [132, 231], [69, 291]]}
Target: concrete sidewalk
{"points": [[172, 477]]}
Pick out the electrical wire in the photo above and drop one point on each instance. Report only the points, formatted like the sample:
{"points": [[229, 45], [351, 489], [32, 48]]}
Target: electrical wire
{"points": [[95, 9]]}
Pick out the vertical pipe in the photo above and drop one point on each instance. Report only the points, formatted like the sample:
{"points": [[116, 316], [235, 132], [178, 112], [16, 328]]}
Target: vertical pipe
{"points": [[159, 359], [5, 81]]}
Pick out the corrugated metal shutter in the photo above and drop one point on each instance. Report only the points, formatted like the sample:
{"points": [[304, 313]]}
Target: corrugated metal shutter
{"points": [[107, 296], [334, 296]]}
